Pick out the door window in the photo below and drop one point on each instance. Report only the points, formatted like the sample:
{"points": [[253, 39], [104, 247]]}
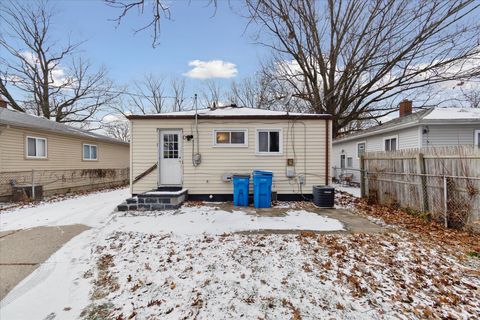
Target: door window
{"points": [[342, 161], [170, 146]]}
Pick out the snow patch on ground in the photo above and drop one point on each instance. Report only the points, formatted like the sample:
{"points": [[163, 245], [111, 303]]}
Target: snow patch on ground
{"points": [[282, 205], [91, 210], [354, 191], [208, 220]]}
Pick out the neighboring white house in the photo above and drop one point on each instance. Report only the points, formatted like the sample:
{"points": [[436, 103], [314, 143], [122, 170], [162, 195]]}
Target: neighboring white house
{"points": [[432, 127], [200, 153]]}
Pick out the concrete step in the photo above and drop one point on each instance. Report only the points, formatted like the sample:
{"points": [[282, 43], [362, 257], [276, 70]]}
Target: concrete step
{"points": [[155, 200]]}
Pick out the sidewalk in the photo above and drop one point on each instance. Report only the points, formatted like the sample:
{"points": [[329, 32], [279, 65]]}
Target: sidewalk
{"points": [[23, 250]]}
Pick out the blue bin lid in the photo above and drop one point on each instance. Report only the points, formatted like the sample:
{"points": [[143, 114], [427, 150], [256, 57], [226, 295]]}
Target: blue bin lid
{"points": [[262, 172]]}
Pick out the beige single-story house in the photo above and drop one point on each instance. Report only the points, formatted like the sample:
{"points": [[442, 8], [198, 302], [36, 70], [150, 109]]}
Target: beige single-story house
{"points": [[201, 151], [58, 157]]}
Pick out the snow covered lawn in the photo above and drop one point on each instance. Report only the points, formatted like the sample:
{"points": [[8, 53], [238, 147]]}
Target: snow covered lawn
{"points": [[191, 263], [278, 277]]}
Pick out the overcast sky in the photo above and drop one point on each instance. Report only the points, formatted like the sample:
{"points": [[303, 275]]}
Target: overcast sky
{"points": [[198, 43]]}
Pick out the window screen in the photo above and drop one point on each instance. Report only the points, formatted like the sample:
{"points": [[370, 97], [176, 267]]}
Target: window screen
{"points": [[263, 142], [32, 149], [93, 152], [86, 151]]}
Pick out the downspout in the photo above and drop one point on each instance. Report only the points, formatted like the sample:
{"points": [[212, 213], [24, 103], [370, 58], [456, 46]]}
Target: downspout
{"points": [[327, 149], [196, 157]]}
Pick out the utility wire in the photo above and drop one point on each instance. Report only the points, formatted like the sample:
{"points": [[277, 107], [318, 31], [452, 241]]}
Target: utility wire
{"points": [[122, 92]]}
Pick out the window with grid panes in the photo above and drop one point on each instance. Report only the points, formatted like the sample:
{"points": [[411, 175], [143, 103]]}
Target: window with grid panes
{"points": [[170, 146]]}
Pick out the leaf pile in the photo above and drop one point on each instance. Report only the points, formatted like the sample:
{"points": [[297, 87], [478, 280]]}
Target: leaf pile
{"points": [[428, 229]]}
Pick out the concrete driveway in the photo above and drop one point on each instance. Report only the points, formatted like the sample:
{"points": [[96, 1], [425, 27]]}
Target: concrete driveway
{"points": [[21, 251]]}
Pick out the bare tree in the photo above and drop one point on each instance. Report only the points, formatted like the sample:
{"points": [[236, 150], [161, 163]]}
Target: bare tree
{"points": [[119, 129], [355, 59], [211, 94], [178, 88], [251, 92], [470, 95], [148, 95], [145, 96], [155, 11], [265, 90], [56, 83]]}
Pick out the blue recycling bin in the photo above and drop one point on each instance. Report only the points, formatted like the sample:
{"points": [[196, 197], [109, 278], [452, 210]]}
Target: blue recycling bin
{"points": [[262, 188], [241, 184]]}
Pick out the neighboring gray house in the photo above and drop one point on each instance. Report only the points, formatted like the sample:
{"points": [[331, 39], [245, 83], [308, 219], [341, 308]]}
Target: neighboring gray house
{"points": [[433, 127]]}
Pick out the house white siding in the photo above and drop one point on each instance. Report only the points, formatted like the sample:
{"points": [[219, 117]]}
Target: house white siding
{"points": [[303, 140], [441, 135], [407, 138]]}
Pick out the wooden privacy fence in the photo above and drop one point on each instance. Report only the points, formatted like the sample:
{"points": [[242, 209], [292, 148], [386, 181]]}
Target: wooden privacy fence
{"points": [[442, 181]]}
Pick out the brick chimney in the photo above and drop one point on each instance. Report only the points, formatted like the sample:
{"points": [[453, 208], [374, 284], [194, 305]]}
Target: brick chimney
{"points": [[3, 103], [405, 108]]}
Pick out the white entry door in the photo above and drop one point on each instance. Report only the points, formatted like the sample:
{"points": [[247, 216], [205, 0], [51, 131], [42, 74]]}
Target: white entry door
{"points": [[170, 154]]}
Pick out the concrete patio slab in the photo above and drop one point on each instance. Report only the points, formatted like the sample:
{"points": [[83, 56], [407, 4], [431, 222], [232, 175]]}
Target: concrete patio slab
{"points": [[353, 223]]}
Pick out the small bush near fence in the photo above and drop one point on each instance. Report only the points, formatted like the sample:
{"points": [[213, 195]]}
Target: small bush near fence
{"points": [[57, 181], [444, 182]]}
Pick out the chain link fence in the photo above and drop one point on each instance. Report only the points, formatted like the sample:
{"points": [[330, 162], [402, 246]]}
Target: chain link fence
{"points": [[60, 181]]}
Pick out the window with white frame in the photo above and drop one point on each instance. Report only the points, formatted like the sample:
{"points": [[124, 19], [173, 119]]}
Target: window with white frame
{"points": [[36, 147], [390, 144], [89, 151], [269, 141], [360, 149], [342, 161], [349, 162], [230, 137], [477, 138]]}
